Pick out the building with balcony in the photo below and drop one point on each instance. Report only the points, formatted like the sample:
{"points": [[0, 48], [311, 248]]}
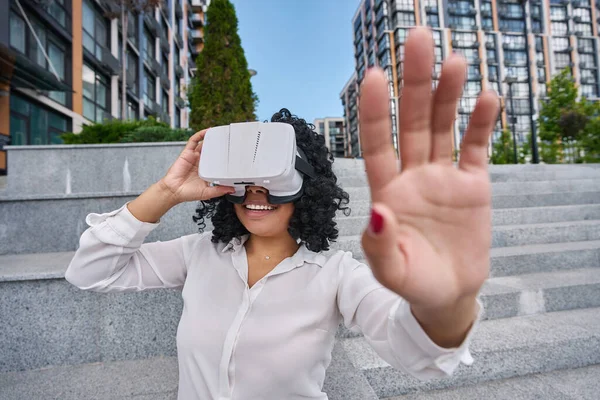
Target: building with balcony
{"points": [[514, 48], [349, 97], [61, 67], [332, 128]]}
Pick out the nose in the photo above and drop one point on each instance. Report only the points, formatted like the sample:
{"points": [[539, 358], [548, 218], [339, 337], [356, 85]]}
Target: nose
{"points": [[256, 189]]}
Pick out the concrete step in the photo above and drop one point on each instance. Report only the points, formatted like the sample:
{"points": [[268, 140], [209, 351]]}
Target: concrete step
{"points": [[531, 259], [537, 293], [512, 235], [518, 196], [502, 185], [154, 378], [44, 317], [571, 384], [502, 348], [542, 292], [354, 225]]}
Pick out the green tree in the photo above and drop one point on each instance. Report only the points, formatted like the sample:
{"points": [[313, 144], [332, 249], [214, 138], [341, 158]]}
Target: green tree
{"points": [[589, 138], [555, 115], [503, 150], [221, 92]]}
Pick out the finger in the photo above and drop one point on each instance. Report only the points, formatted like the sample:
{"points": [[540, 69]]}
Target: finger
{"points": [[194, 139], [211, 192], [473, 153], [381, 248], [445, 100], [415, 104], [197, 153], [375, 130]]}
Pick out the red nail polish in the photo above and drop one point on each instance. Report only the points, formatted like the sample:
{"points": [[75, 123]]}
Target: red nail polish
{"points": [[376, 224]]}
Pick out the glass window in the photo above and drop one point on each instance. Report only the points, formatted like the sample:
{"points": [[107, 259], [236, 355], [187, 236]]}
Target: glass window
{"points": [[562, 60], [559, 28], [148, 46], [589, 91], [36, 51], [132, 68], [56, 9], [95, 27], [18, 129], [149, 87], [558, 13], [31, 124], [95, 95], [165, 101], [433, 20], [472, 88], [512, 25], [17, 32]]}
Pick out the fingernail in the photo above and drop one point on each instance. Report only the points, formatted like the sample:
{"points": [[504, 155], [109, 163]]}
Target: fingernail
{"points": [[376, 223]]}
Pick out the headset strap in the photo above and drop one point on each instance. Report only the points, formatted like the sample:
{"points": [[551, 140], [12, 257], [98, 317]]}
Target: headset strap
{"points": [[302, 165]]}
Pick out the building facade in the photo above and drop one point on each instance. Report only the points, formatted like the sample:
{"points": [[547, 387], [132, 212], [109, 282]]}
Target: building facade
{"points": [[349, 97], [332, 128], [512, 47], [61, 67]]}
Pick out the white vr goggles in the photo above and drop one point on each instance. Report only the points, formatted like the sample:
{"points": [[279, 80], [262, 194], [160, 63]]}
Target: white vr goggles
{"points": [[255, 154]]}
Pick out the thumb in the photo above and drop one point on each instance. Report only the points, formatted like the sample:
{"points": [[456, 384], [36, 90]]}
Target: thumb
{"points": [[381, 248]]}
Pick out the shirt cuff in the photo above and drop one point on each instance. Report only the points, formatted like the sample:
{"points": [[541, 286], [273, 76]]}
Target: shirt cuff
{"points": [[431, 355], [120, 227]]}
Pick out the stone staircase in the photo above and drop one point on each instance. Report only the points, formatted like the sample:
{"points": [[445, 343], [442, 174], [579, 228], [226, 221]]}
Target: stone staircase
{"points": [[540, 337]]}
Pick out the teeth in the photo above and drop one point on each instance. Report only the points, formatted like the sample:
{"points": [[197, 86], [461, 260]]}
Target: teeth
{"points": [[258, 207]]}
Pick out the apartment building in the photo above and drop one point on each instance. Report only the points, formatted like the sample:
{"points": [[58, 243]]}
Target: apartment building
{"points": [[61, 67], [512, 47], [332, 128]]}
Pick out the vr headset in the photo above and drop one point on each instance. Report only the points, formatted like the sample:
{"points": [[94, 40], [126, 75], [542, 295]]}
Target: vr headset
{"points": [[255, 154]]}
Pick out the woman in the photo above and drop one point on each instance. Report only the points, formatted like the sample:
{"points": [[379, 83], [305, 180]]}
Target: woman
{"points": [[262, 302]]}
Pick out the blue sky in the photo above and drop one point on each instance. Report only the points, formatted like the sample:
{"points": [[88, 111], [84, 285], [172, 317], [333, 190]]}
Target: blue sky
{"points": [[302, 51]]}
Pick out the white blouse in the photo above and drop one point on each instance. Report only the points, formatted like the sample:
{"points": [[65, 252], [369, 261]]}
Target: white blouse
{"points": [[271, 341]]}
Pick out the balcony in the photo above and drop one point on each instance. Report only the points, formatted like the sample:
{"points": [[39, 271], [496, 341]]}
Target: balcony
{"points": [[540, 64], [454, 10], [486, 13], [431, 9], [195, 51], [490, 45], [151, 23], [178, 11], [197, 20], [110, 62], [198, 5], [179, 102], [151, 106], [164, 80], [196, 37], [585, 65], [164, 43], [580, 4], [179, 71]]}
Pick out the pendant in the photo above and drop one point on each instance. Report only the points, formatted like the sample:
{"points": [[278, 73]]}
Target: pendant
{"points": [[267, 258]]}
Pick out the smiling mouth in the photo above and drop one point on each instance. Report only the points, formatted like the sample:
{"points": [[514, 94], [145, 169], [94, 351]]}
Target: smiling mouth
{"points": [[259, 207]]}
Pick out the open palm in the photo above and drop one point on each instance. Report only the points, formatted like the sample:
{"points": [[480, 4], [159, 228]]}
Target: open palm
{"points": [[434, 219]]}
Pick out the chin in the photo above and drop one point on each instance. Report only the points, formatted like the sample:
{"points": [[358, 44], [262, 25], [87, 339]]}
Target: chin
{"points": [[271, 222]]}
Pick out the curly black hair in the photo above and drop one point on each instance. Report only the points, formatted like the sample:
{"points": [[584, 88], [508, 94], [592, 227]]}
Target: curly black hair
{"points": [[313, 219]]}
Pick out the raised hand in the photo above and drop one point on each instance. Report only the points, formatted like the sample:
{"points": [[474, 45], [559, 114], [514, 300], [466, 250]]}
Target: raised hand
{"points": [[430, 231], [182, 179]]}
